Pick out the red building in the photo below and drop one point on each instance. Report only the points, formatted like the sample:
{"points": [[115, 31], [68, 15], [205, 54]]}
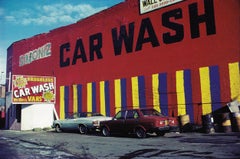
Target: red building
{"points": [[180, 57]]}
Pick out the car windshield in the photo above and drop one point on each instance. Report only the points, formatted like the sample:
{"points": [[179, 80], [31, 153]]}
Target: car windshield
{"points": [[151, 112], [89, 114]]}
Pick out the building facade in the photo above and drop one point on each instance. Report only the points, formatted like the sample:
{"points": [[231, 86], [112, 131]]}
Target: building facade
{"points": [[2, 105], [179, 57]]}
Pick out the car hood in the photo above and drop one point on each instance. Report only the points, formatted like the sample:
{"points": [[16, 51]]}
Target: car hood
{"points": [[99, 118]]}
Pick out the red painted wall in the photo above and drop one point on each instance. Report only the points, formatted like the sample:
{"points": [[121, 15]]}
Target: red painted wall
{"points": [[162, 43]]}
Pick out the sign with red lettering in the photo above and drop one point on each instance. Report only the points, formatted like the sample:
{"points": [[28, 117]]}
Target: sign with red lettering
{"points": [[27, 89]]}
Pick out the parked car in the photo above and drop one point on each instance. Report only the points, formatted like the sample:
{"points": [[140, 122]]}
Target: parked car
{"points": [[139, 122], [83, 122]]}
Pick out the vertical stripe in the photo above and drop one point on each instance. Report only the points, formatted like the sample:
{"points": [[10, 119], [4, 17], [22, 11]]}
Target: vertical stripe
{"points": [[142, 93], [75, 99], [111, 87], [155, 92], [180, 93], [234, 75], [79, 96], [123, 93], [205, 90], [135, 92], [163, 93], [89, 97], [188, 94], [215, 87], [84, 98], [102, 98], [117, 91], [196, 91], [107, 98], [66, 100], [94, 97], [62, 104]]}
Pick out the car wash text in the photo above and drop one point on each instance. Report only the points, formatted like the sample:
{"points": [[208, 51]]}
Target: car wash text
{"points": [[123, 37]]}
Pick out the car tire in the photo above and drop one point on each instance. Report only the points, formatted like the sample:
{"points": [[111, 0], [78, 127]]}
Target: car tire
{"points": [[105, 131], [58, 129], [159, 133], [141, 133], [83, 129]]}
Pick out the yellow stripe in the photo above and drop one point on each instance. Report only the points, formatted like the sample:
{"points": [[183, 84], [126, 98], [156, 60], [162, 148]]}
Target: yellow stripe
{"points": [[118, 103], [234, 75], [102, 98], [135, 94], [180, 93], [89, 97], [75, 99], [205, 90], [62, 106], [155, 86]]}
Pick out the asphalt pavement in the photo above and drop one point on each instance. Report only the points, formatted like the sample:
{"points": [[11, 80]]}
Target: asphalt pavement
{"points": [[72, 145]]}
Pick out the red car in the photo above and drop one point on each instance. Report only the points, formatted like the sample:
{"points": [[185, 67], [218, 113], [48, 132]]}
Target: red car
{"points": [[139, 122]]}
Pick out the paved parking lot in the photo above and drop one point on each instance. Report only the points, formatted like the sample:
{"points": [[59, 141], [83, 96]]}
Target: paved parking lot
{"points": [[49, 144]]}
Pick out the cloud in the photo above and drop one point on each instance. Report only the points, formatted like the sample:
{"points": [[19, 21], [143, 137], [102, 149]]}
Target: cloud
{"points": [[52, 14]]}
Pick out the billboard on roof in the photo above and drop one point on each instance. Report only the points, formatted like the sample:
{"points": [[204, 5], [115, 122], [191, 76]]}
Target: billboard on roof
{"points": [[151, 5]]}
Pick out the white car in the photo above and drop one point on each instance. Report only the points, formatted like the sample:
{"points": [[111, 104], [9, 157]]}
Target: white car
{"points": [[84, 122]]}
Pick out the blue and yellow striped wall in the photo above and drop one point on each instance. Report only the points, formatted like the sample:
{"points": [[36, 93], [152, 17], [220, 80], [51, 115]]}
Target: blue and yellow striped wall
{"points": [[108, 97]]}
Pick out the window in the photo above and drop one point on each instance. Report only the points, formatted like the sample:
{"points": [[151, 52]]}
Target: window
{"points": [[132, 114], [120, 115]]}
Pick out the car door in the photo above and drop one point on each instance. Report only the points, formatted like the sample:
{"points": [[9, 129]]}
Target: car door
{"points": [[118, 122], [132, 120]]}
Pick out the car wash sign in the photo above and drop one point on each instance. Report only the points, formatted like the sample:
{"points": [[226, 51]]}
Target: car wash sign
{"points": [[28, 89], [150, 5]]}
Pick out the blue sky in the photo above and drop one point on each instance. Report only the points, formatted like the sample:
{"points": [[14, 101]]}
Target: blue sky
{"points": [[20, 19]]}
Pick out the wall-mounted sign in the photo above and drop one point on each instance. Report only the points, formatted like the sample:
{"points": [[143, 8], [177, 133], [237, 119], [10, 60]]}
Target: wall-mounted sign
{"points": [[33, 55], [150, 5], [28, 89]]}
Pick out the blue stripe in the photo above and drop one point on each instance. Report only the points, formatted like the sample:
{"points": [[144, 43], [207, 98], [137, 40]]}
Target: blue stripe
{"points": [[163, 93], [215, 87], [188, 94], [124, 93], [94, 102], [79, 96], [107, 98], [142, 97], [66, 101]]}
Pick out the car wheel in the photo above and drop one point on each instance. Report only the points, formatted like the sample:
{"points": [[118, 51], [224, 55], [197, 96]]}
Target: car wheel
{"points": [[141, 133], [105, 131], [83, 129], [159, 133], [58, 129]]}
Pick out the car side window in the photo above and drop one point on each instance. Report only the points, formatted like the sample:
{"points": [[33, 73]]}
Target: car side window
{"points": [[135, 115], [120, 115], [131, 114]]}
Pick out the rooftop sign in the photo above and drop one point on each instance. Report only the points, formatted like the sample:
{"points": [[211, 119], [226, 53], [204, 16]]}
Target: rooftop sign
{"points": [[150, 5]]}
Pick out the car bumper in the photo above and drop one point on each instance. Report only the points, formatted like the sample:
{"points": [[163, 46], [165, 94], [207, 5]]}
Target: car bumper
{"points": [[165, 129], [174, 129]]}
